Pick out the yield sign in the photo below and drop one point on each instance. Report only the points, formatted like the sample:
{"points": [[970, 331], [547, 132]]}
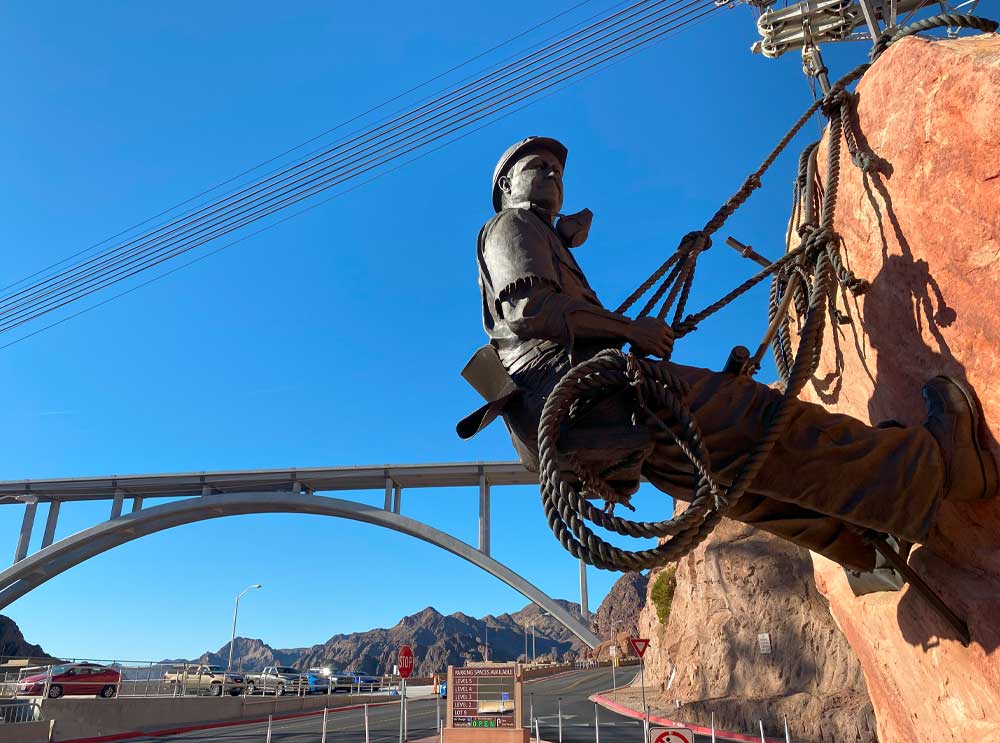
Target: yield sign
{"points": [[639, 645], [670, 735]]}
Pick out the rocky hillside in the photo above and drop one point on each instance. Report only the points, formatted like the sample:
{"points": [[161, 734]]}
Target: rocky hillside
{"points": [[619, 612], [12, 642], [437, 641], [739, 584], [252, 655]]}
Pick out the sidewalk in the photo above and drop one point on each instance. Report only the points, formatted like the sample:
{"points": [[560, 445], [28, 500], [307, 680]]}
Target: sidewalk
{"points": [[627, 701]]}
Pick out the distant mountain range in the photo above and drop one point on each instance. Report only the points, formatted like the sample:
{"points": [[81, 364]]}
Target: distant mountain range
{"points": [[437, 640]]}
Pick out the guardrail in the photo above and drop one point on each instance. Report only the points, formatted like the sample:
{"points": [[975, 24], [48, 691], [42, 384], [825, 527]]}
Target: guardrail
{"points": [[24, 711], [29, 678]]}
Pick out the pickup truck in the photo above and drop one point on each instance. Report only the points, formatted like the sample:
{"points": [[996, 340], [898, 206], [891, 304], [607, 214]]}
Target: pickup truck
{"points": [[279, 680], [204, 678]]}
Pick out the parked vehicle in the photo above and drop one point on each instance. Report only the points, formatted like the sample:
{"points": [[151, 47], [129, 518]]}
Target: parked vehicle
{"points": [[364, 681], [278, 680], [331, 680], [443, 689], [72, 679], [201, 678]]}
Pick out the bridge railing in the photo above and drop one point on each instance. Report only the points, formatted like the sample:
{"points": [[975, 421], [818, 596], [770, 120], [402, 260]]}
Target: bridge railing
{"points": [[32, 678]]}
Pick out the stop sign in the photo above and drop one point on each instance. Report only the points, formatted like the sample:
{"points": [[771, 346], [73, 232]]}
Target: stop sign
{"points": [[405, 661]]}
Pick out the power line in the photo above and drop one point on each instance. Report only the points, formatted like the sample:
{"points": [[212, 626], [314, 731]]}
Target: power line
{"points": [[307, 142], [637, 26], [419, 115], [311, 185]]}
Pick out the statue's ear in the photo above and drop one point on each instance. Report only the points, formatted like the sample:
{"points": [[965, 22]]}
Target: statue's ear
{"points": [[503, 183]]}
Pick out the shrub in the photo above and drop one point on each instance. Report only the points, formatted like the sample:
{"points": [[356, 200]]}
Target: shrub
{"points": [[662, 592]]}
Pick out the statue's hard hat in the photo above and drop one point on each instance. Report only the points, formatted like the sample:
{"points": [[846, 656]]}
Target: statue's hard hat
{"points": [[515, 151]]}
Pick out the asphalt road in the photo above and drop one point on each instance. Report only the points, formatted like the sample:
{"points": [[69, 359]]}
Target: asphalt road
{"points": [[541, 697]]}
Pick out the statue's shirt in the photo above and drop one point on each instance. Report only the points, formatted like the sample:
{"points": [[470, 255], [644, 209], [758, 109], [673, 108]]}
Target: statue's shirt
{"points": [[530, 285]]}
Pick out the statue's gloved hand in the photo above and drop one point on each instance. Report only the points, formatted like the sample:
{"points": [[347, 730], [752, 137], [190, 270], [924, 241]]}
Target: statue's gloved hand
{"points": [[651, 336], [574, 228]]}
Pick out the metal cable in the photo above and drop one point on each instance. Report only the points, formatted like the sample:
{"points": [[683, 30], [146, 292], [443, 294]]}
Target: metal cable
{"points": [[592, 58]]}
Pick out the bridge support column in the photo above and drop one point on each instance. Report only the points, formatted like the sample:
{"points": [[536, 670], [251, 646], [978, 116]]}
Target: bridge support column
{"points": [[116, 504], [136, 504], [50, 523], [484, 514], [30, 506], [388, 493], [584, 608], [397, 498]]}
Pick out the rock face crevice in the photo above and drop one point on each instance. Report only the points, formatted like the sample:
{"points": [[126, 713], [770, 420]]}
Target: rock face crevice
{"points": [[739, 584], [927, 236]]}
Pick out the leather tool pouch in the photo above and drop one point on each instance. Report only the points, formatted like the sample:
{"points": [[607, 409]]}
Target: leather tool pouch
{"points": [[486, 373]]}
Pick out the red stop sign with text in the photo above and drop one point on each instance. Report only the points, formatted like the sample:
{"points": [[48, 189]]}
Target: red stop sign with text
{"points": [[405, 661]]}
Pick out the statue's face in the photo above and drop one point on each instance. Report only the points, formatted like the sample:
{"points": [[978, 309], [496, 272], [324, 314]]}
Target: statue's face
{"points": [[535, 178]]}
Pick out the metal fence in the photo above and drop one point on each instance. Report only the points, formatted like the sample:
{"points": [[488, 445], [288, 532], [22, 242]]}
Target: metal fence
{"points": [[31, 678], [25, 710]]}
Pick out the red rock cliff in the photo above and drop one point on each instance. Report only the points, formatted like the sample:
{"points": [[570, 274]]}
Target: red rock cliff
{"points": [[928, 238]]}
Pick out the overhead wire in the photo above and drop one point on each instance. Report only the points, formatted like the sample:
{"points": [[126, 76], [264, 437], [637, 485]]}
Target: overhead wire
{"points": [[307, 142], [408, 133], [317, 204], [413, 118], [409, 112], [310, 186]]}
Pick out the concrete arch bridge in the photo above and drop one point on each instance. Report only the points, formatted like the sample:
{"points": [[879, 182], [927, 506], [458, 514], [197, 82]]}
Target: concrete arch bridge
{"points": [[209, 495]]}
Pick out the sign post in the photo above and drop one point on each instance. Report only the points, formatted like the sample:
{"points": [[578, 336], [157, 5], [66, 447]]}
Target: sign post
{"points": [[639, 645], [613, 652], [405, 663]]}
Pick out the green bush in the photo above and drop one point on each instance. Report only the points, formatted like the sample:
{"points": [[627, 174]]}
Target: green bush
{"points": [[662, 592]]}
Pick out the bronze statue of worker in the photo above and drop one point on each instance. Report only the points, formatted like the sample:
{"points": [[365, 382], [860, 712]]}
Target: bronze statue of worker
{"points": [[826, 476]]}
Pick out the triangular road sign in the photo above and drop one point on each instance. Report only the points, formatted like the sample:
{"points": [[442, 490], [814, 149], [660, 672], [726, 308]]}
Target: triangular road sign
{"points": [[639, 645]]}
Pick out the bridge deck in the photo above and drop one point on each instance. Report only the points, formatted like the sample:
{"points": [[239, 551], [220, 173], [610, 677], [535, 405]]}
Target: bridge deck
{"points": [[312, 479]]}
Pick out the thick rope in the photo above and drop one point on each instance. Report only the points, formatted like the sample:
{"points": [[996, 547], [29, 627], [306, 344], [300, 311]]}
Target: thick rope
{"points": [[658, 395]]}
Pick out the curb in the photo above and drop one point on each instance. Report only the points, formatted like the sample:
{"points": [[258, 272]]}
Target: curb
{"points": [[212, 725], [636, 715]]}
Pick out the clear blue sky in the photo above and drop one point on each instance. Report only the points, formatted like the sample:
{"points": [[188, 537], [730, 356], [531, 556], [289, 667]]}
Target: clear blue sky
{"points": [[336, 338]]}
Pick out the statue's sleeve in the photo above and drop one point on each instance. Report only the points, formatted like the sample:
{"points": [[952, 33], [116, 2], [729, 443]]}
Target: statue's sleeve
{"points": [[516, 252], [528, 291]]}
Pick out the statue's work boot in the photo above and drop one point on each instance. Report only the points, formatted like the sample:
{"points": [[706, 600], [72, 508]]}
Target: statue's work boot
{"points": [[956, 422]]}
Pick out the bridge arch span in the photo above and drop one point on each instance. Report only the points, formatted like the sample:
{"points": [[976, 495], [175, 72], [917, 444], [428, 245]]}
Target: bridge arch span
{"points": [[31, 572]]}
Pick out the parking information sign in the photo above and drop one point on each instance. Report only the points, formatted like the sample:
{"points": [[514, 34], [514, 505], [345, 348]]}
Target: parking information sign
{"points": [[483, 697], [670, 735]]}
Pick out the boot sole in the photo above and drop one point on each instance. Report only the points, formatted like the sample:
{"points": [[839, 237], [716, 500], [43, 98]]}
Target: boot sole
{"points": [[987, 463]]}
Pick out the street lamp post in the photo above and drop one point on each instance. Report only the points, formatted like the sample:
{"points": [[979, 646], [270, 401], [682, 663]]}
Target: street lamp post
{"points": [[232, 641]]}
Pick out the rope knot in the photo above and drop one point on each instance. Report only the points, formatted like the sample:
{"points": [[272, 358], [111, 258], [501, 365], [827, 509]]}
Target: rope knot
{"points": [[633, 373], [695, 242], [833, 100], [817, 241]]}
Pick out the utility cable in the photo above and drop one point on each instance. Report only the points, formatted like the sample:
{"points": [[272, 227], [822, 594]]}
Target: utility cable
{"points": [[641, 32], [307, 142], [315, 205]]}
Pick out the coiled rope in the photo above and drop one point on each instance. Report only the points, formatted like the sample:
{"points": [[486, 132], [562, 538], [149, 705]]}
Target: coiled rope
{"points": [[810, 271]]}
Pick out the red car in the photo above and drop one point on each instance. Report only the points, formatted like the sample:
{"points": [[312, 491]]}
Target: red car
{"points": [[72, 678]]}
